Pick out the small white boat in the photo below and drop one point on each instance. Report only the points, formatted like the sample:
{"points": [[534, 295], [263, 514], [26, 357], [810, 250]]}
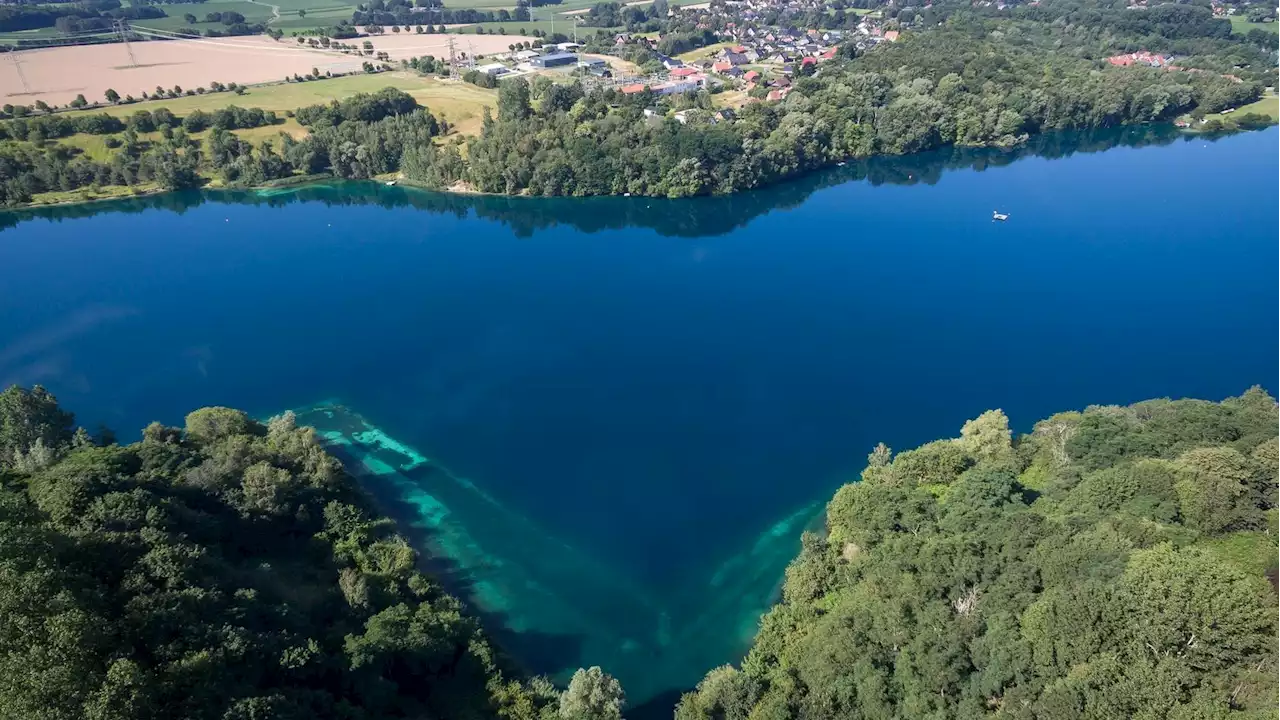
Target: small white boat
{"points": [[997, 215], [390, 183]]}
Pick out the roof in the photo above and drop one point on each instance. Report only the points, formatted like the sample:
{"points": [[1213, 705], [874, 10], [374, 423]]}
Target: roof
{"points": [[722, 66], [891, 35], [751, 75], [632, 89], [558, 56], [684, 72]]}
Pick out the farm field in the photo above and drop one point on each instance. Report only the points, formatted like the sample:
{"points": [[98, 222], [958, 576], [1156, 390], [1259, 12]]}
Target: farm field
{"points": [[57, 75]]}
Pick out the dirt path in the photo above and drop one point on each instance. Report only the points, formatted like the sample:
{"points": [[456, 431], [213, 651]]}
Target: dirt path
{"points": [[275, 9]]}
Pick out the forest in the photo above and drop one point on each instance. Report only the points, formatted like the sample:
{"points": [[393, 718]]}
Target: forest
{"points": [[227, 570], [1118, 562]]}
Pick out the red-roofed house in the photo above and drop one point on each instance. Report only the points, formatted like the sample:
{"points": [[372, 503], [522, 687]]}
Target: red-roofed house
{"points": [[779, 94], [740, 48], [722, 66], [808, 61], [751, 76], [891, 35], [828, 55], [632, 89], [683, 72]]}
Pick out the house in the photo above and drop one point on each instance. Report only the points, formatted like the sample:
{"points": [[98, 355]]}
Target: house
{"points": [[683, 72], [751, 76], [1140, 58], [734, 72], [779, 93], [734, 58], [555, 59], [829, 54], [526, 55], [722, 66], [891, 35], [752, 55], [671, 87], [726, 115], [652, 112], [494, 69]]}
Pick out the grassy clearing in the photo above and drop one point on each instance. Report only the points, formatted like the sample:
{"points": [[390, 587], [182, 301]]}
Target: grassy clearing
{"points": [[1242, 26], [88, 194], [733, 99], [1269, 105], [290, 96], [458, 102], [703, 52]]}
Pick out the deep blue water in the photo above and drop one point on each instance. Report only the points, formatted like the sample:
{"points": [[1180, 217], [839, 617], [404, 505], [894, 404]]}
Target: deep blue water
{"points": [[659, 381]]}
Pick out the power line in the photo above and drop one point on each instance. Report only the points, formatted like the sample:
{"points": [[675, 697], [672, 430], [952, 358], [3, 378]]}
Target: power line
{"points": [[17, 65], [124, 37]]}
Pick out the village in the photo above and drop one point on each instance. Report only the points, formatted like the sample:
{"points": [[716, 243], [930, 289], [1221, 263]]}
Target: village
{"points": [[752, 60]]}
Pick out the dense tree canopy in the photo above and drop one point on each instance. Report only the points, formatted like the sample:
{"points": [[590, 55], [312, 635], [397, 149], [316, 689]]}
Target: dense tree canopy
{"points": [[1119, 562], [227, 570]]}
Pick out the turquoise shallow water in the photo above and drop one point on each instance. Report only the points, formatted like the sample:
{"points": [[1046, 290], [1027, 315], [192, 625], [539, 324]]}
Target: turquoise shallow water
{"points": [[607, 420]]}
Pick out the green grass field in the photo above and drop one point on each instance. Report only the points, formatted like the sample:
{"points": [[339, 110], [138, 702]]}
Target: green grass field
{"points": [[460, 103], [37, 34], [252, 13], [1242, 26], [1269, 105], [703, 52]]}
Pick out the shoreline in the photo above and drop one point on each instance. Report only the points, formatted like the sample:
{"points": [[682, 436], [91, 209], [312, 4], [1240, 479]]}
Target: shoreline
{"points": [[72, 199], [462, 188]]}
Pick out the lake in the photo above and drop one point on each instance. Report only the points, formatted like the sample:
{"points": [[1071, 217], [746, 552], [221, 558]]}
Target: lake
{"points": [[608, 420]]}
